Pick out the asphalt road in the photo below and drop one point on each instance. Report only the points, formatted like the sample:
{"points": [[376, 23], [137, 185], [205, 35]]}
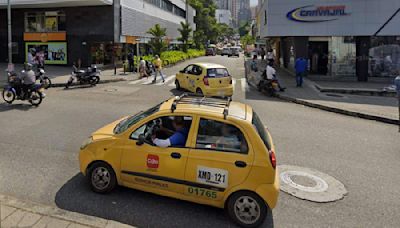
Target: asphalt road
{"points": [[39, 157]]}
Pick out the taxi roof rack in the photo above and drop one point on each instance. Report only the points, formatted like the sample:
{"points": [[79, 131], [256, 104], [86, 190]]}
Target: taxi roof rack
{"points": [[192, 98]]}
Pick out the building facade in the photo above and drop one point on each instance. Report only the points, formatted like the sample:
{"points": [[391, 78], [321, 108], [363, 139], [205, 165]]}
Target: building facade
{"points": [[340, 38], [223, 16], [222, 4], [90, 31]]}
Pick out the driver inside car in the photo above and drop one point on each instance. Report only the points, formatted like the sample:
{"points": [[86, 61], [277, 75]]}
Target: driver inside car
{"points": [[178, 137]]}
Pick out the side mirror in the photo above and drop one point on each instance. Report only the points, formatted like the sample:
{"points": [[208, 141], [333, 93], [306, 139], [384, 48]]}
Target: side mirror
{"points": [[140, 140]]}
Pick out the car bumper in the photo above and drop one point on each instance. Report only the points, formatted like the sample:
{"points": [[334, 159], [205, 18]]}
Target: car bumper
{"points": [[219, 92], [85, 159], [270, 192]]}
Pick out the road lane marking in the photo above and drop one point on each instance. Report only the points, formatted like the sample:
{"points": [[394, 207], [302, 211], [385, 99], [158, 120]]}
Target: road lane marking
{"points": [[245, 86], [166, 80]]}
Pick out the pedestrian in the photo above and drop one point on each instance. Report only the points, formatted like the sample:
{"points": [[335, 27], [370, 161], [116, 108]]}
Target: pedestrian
{"points": [[262, 53], [158, 64], [301, 69], [270, 56], [253, 64], [142, 68], [130, 61]]}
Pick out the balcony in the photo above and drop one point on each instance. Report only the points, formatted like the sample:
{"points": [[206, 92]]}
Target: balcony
{"points": [[53, 3]]}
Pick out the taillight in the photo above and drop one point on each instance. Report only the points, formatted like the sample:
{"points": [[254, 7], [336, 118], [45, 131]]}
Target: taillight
{"points": [[272, 158], [205, 80]]}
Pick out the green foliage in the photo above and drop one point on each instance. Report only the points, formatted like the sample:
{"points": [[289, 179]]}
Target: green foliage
{"points": [[157, 42], [224, 30], [185, 31], [244, 29], [247, 40], [206, 24], [172, 57]]}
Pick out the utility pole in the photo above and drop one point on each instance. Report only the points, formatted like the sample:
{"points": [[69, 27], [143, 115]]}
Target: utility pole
{"points": [[9, 35]]}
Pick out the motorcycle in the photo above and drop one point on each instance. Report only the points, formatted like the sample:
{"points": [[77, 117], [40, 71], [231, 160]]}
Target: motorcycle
{"points": [[90, 76], [13, 91], [44, 80], [269, 86]]}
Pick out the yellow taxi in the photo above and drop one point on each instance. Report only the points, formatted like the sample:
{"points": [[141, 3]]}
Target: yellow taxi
{"points": [[204, 150], [205, 78]]}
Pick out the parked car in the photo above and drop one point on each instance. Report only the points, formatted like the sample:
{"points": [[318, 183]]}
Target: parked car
{"points": [[210, 51], [227, 161], [225, 51], [233, 51]]}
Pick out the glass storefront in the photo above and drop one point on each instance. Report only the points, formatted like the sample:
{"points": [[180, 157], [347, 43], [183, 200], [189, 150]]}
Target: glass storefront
{"points": [[103, 53], [343, 56], [384, 56]]}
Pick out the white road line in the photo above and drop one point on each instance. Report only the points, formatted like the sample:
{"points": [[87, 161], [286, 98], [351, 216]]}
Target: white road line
{"points": [[138, 81], [233, 83], [245, 86], [166, 80]]}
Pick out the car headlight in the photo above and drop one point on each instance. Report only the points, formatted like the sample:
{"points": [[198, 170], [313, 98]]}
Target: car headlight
{"points": [[86, 142]]}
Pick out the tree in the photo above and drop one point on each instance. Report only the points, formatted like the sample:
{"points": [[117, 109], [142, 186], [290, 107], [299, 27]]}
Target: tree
{"points": [[185, 31], [206, 24], [157, 42], [247, 40]]}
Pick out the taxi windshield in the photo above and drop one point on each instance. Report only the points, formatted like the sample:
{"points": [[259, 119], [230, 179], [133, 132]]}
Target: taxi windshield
{"points": [[217, 72], [128, 122]]}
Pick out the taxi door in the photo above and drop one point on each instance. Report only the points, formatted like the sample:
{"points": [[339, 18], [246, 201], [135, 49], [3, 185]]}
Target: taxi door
{"points": [[183, 76], [153, 168], [194, 78], [212, 169]]}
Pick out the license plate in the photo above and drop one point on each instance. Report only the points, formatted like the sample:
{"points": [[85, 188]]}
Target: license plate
{"points": [[212, 176]]}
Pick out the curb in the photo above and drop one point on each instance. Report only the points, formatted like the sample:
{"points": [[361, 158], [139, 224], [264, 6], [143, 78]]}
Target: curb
{"points": [[339, 111], [100, 82], [335, 110], [56, 213], [364, 92]]}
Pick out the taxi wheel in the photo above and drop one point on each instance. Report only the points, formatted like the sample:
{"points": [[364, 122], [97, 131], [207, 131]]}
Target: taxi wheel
{"points": [[199, 91], [102, 178], [178, 86], [247, 209]]}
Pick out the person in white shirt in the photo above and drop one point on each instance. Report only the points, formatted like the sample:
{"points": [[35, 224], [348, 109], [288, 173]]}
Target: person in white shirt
{"points": [[271, 75], [270, 56]]}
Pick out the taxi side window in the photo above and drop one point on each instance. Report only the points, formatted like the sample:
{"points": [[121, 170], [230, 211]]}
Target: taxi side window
{"points": [[219, 136], [196, 70], [188, 69]]}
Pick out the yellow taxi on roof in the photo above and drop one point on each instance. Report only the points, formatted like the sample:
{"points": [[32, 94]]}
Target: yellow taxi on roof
{"points": [[205, 78], [204, 150]]}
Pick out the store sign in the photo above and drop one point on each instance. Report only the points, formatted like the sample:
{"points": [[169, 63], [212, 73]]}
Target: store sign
{"points": [[52, 52], [312, 13]]}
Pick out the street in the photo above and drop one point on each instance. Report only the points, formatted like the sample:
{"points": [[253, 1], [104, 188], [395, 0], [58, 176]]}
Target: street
{"points": [[39, 156]]}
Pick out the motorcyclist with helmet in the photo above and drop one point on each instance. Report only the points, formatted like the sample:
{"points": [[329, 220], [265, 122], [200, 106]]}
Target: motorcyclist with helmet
{"points": [[28, 79]]}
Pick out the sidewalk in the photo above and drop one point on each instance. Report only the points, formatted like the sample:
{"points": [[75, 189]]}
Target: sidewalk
{"points": [[59, 75], [384, 109], [17, 213]]}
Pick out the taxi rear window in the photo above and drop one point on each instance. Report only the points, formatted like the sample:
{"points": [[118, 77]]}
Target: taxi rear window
{"points": [[217, 72], [261, 130]]}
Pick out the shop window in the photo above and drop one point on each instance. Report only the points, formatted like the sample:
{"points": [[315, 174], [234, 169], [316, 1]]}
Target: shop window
{"points": [[384, 56], [50, 21]]}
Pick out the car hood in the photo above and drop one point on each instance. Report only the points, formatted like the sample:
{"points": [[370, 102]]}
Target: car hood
{"points": [[107, 131]]}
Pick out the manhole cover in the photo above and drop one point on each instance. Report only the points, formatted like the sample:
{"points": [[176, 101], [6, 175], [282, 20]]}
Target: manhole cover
{"points": [[309, 184], [110, 90]]}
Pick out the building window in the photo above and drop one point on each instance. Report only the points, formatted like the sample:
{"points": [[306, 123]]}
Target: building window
{"points": [[265, 17], [50, 21], [168, 6]]}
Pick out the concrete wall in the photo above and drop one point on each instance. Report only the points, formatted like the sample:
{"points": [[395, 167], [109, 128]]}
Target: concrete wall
{"points": [[364, 18]]}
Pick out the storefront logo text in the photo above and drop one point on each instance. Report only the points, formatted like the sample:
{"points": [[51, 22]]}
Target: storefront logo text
{"points": [[312, 13]]}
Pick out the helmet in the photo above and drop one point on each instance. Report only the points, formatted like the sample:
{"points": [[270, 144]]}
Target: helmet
{"points": [[28, 66]]}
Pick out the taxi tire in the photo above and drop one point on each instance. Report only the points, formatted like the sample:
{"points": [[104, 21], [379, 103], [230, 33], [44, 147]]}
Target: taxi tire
{"points": [[230, 208], [113, 178], [199, 91], [177, 85]]}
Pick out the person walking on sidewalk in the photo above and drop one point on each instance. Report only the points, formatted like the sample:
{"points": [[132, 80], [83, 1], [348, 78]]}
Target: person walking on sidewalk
{"points": [[130, 61], [262, 53], [142, 68], [158, 64], [301, 69], [270, 56]]}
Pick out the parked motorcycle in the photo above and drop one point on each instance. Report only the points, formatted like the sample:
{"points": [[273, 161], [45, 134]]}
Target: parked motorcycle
{"points": [[269, 86], [44, 80], [13, 91], [90, 76]]}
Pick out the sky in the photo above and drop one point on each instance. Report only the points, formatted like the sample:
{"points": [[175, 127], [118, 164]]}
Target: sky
{"points": [[253, 2]]}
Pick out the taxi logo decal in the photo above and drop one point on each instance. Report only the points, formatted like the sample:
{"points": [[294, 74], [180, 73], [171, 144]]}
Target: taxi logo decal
{"points": [[153, 161]]}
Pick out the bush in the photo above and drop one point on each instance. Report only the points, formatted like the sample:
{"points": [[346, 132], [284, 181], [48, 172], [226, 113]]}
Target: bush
{"points": [[172, 57]]}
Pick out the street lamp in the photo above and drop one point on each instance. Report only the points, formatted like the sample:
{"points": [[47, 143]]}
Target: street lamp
{"points": [[9, 35]]}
